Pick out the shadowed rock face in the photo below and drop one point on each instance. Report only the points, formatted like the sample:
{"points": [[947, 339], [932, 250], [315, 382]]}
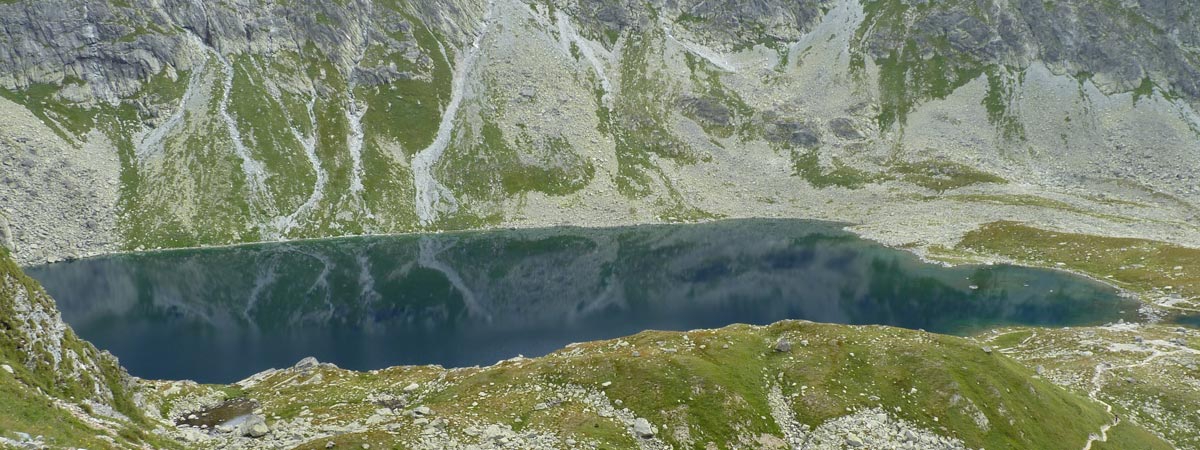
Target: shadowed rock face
{"points": [[469, 299], [249, 121], [1120, 43], [732, 23], [113, 48]]}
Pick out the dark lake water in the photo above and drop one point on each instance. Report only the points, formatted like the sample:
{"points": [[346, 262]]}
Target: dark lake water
{"points": [[218, 315]]}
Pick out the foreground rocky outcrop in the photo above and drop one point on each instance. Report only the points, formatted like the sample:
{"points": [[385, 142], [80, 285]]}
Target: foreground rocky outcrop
{"points": [[57, 389], [145, 124]]}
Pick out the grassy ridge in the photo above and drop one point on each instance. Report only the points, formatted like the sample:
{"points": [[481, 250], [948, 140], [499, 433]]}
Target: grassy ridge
{"points": [[715, 384]]}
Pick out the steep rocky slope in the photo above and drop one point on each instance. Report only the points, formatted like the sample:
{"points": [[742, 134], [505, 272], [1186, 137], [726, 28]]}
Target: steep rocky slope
{"points": [[140, 124], [55, 388]]}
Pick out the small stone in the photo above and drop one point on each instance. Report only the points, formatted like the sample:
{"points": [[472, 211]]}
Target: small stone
{"points": [[258, 430], [1040, 369], [411, 387], [570, 442], [642, 428], [422, 411], [192, 417], [606, 384], [987, 349], [7, 368], [330, 444], [804, 342], [853, 440], [366, 446], [782, 345]]}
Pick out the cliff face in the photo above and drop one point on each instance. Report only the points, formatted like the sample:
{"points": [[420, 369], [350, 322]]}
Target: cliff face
{"points": [[141, 124]]}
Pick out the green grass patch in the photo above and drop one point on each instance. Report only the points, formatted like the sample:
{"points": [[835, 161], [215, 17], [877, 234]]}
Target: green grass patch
{"points": [[1126, 436], [1144, 90], [70, 122], [941, 176], [409, 111], [1033, 201], [807, 165], [265, 127], [1143, 266]]}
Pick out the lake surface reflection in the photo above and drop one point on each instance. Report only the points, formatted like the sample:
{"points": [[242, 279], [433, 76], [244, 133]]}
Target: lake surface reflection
{"points": [[218, 315]]}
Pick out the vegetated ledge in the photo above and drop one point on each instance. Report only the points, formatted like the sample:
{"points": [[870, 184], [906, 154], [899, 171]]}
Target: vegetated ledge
{"points": [[1161, 273]]}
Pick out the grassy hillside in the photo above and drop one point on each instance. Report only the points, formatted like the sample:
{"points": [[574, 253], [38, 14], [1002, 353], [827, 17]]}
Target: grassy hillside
{"points": [[730, 387]]}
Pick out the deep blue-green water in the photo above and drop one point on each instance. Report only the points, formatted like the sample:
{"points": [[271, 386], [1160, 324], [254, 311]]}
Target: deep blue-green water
{"points": [[218, 315]]}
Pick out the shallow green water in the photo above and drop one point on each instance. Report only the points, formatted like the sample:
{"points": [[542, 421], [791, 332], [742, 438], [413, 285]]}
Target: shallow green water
{"points": [[217, 315]]}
